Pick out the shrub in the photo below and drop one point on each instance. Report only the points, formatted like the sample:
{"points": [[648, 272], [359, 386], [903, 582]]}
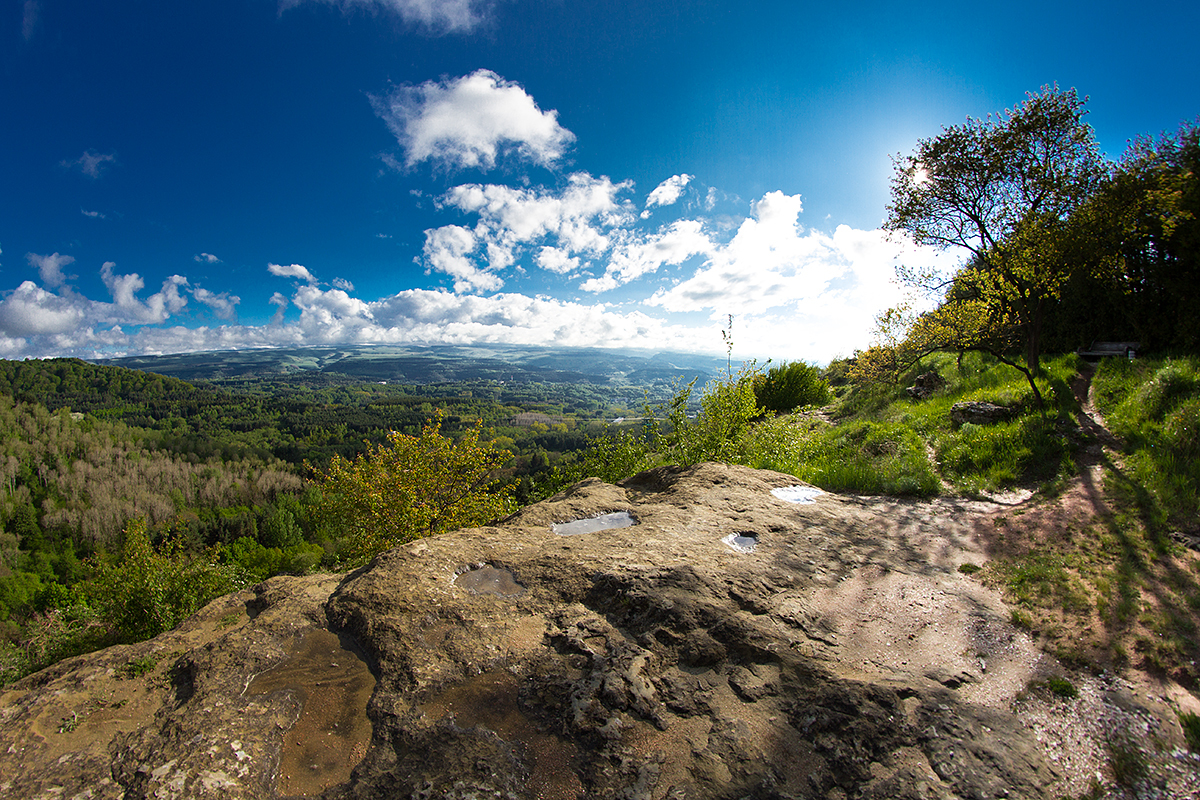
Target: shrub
{"points": [[149, 590], [410, 487], [611, 457], [717, 433], [790, 386]]}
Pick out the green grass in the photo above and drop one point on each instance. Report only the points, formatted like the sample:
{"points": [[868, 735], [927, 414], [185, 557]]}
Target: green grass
{"points": [[1154, 406], [860, 457], [883, 439], [1043, 579]]}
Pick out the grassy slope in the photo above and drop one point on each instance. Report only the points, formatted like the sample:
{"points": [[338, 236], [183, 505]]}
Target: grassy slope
{"points": [[1091, 565]]}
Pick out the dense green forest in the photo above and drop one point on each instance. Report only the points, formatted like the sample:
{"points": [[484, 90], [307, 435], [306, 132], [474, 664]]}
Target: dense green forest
{"points": [[219, 475]]}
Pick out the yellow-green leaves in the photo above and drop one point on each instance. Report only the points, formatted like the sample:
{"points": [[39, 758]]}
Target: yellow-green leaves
{"points": [[410, 487]]}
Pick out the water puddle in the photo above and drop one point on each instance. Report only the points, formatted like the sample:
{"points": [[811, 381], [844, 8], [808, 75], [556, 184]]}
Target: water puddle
{"points": [[333, 684], [490, 701], [486, 579], [803, 495], [617, 519], [741, 542]]}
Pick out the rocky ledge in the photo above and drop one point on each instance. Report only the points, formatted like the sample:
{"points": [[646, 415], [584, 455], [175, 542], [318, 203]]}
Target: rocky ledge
{"points": [[727, 642]]}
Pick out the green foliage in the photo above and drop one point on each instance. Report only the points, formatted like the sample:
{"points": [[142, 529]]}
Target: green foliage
{"points": [[610, 457], [51, 636], [1144, 223], [1002, 190], [1154, 406], [717, 432], [260, 562], [148, 590], [788, 386], [412, 487]]}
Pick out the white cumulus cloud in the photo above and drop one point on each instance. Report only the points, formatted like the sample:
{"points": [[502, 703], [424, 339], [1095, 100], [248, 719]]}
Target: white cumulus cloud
{"points": [[448, 250], [639, 255], [811, 293], [291, 271], [206, 258], [224, 305], [470, 121], [32, 311], [561, 224]]}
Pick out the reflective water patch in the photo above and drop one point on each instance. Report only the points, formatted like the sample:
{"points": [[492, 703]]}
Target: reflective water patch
{"points": [[741, 542], [486, 579], [797, 494], [331, 680], [617, 519]]}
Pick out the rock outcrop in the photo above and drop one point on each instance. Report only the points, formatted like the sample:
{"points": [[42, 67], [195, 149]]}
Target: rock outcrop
{"points": [[728, 644], [977, 412], [925, 384]]}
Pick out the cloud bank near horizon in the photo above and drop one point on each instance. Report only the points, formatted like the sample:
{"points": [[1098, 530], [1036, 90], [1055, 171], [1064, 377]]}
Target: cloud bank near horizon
{"points": [[570, 260]]}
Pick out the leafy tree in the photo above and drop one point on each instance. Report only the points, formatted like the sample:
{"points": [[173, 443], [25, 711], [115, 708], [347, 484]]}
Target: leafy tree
{"points": [[1144, 221], [1003, 190], [410, 487]]}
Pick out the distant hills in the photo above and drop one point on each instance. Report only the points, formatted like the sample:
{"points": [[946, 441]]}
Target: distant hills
{"points": [[412, 364]]}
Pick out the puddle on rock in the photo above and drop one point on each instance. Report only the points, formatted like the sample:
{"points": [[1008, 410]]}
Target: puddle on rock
{"points": [[332, 682], [741, 542], [803, 495], [486, 579], [617, 519], [489, 700]]}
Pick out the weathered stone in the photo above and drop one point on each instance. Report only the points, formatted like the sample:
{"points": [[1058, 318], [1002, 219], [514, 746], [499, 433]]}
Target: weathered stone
{"points": [[925, 385], [979, 413], [647, 661]]}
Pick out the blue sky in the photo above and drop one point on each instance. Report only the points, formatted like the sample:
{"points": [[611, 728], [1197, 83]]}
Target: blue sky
{"points": [[625, 173]]}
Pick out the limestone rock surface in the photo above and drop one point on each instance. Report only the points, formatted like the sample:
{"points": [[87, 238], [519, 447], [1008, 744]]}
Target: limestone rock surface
{"points": [[728, 644]]}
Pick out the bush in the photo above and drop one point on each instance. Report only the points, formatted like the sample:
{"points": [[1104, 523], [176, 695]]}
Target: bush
{"points": [[611, 457], [410, 487], [790, 386], [717, 433], [149, 590]]}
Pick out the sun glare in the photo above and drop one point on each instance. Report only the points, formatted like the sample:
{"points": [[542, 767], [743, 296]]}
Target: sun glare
{"points": [[920, 175]]}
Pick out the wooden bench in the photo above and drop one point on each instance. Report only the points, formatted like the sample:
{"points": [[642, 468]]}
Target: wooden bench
{"points": [[1106, 349]]}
